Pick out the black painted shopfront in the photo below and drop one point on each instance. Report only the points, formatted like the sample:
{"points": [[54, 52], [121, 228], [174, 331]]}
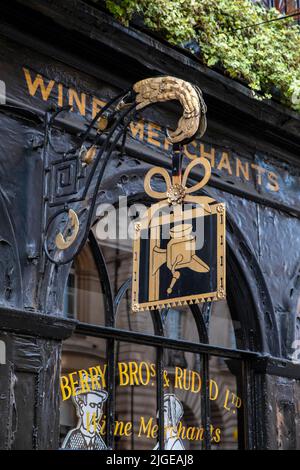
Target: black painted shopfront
{"points": [[227, 373]]}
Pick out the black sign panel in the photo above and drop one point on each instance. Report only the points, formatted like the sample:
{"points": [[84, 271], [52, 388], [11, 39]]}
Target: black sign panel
{"points": [[179, 258]]}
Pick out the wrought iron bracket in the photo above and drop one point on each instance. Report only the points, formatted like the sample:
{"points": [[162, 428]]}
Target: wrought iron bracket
{"points": [[72, 177]]}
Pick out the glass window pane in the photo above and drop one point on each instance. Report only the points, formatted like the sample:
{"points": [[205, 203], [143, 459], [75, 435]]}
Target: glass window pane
{"points": [[118, 258], [84, 298], [138, 321], [221, 327], [183, 395], [119, 265], [179, 323], [83, 393], [226, 402], [136, 410]]}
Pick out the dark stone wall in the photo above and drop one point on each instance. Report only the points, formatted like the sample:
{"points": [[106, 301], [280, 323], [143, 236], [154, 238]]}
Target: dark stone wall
{"points": [[29, 392], [282, 414]]}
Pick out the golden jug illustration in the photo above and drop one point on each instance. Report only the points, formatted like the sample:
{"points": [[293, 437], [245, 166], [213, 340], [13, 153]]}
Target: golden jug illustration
{"points": [[180, 253]]}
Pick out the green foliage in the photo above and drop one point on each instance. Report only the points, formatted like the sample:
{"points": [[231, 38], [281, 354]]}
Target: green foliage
{"points": [[267, 57]]}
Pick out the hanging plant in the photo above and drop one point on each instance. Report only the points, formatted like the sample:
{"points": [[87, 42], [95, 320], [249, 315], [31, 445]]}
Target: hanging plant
{"points": [[221, 32]]}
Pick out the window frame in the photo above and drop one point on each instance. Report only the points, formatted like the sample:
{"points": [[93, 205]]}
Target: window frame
{"points": [[112, 334]]}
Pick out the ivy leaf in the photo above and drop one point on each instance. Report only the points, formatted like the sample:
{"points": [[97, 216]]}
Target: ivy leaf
{"points": [[267, 56]]}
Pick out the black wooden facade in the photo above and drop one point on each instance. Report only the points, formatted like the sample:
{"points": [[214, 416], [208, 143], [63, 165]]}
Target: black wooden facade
{"points": [[53, 52]]}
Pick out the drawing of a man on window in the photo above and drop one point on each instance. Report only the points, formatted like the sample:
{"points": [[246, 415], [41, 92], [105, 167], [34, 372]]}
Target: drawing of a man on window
{"points": [[89, 409], [173, 412]]}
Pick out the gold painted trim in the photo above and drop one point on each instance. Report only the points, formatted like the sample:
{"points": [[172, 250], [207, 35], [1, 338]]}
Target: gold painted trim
{"points": [[136, 267], [221, 251], [153, 279]]}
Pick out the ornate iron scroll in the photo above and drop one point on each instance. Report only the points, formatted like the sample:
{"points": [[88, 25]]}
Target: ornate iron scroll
{"points": [[72, 177]]}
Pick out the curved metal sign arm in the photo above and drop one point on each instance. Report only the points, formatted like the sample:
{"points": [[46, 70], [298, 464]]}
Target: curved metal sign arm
{"points": [[66, 229]]}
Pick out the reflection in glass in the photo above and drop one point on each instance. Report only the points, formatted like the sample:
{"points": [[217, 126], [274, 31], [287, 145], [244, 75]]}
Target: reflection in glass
{"points": [[179, 323], [70, 294], [84, 301], [140, 322], [83, 391], [118, 259], [136, 411], [84, 298], [136, 375], [118, 263], [221, 328], [183, 388], [226, 401]]}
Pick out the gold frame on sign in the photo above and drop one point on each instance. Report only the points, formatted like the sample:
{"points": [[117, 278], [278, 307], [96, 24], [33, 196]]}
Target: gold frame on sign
{"points": [[153, 222]]}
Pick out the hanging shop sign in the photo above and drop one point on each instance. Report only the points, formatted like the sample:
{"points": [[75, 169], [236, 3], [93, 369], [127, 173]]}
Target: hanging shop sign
{"points": [[179, 253], [179, 249]]}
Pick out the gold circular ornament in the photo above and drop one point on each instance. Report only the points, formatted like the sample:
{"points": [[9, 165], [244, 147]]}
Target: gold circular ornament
{"points": [[176, 194], [221, 293], [62, 241]]}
